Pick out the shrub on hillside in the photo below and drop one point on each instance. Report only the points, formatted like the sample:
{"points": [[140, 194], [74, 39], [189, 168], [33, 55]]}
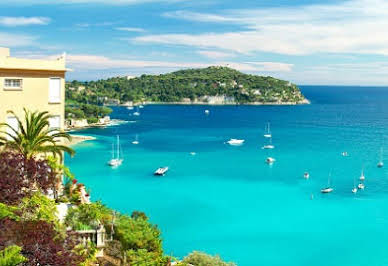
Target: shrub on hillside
{"points": [[197, 258]]}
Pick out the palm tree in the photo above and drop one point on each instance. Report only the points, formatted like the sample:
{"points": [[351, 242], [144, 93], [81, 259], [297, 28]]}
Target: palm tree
{"points": [[34, 136]]}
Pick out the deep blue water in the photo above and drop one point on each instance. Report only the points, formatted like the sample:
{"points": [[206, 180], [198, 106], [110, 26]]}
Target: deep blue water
{"points": [[225, 200]]}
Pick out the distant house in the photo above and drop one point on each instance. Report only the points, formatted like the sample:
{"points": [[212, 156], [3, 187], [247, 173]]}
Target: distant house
{"points": [[130, 77]]}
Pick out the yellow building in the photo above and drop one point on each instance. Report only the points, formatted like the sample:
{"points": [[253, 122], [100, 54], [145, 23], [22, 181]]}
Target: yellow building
{"points": [[37, 85]]}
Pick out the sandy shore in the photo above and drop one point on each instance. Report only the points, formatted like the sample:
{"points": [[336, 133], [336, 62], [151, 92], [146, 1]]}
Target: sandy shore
{"points": [[75, 139]]}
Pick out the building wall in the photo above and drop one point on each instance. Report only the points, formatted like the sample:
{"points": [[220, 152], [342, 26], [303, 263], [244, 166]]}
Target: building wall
{"points": [[34, 94]]}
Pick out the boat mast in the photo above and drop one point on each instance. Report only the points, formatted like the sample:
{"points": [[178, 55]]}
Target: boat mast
{"points": [[118, 147]]}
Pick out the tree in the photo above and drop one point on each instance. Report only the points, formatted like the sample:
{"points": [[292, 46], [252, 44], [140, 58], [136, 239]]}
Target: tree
{"points": [[19, 176], [34, 136], [202, 259], [11, 256], [41, 244], [138, 233]]}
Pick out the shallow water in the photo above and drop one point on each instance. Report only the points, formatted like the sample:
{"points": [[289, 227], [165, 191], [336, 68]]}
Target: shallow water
{"points": [[225, 200]]}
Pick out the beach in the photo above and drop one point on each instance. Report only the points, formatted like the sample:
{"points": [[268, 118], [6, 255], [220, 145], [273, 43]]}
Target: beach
{"points": [[76, 139]]}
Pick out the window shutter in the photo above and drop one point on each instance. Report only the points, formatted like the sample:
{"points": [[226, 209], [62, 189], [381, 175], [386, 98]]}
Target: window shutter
{"points": [[55, 90]]}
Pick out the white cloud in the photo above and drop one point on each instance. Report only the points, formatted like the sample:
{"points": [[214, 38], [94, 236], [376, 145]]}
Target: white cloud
{"points": [[357, 26], [103, 2], [216, 54], [130, 29], [14, 40], [23, 21], [82, 62]]}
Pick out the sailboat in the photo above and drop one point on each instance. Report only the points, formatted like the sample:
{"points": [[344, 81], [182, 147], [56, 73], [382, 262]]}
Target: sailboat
{"points": [[136, 141], [381, 164], [327, 189], [267, 133], [116, 161], [354, 190], [362, 177], [269, 146], [137, 113]]}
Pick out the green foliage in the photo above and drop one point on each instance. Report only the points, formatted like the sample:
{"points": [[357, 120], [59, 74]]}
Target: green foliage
{"points": [[38, 207], [88, 252], [11, 256], [190, 83], [142, 257], [197, 258], [88, 216], [92, 120], [34, 136], [138, 233], [7, 211]]}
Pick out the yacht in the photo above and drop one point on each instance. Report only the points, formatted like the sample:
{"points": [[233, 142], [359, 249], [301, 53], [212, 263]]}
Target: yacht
{"points": [[141, 106], [361, 186], [193, 153], [235, 142], [116, 161], [270, 160], [161, 171], [306, 175], [354, 190], [327, 189], [345, 154], [380, 163], [207, 112], [267, 133], [136, 141], [130, 107], [362, 177], [136, 113]]}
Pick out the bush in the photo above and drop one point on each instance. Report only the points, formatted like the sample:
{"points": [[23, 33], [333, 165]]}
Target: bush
{"points": [[38, 208], [143, 257], [88, 216], [40, 242], [19, 176], [92, 120], [138, 233], [197, 258], [11, 256]]}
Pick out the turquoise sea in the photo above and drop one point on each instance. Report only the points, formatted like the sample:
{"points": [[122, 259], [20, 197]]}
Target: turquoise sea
{"points": [[225, 200]]}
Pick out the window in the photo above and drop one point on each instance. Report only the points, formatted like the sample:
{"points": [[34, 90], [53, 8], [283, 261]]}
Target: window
{"points": [[13, 122], [55, 122], [13, 84], [55, 90]]}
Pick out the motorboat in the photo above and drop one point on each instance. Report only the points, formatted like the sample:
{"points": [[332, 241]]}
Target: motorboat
{"points": [[266, 147], [235, 142], [306, 175], [130, 107], [136, 141], [270, 160], [161, 171], [354, 190], [136, 113], [345, 154], [207, 112], [380, 163]]}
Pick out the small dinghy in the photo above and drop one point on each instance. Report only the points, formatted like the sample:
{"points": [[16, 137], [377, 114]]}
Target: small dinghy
{"points": [[161, 171]]}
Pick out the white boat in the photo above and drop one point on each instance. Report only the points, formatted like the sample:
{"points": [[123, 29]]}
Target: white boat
{"points": [[207, 112], [269, 146], [361, 186], [136, 141], [327, 189], [116, 161], [235, 142], [161, 171], [381, 163], [354, 190], [267, 133], [270, 160], [141, 106], [136, 113], [193, 153], [362, 177], [130, 107], [345, 154], [306, 175]]}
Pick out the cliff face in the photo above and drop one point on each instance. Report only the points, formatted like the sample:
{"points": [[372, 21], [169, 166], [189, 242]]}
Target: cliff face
{"points": [[213, 85]]}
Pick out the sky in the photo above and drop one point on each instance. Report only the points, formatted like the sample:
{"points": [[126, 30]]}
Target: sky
{"points": [[307, 42]]}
